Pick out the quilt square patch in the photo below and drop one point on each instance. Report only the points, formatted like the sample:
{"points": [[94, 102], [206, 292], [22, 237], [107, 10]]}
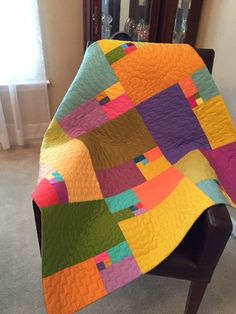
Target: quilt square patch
{"points": [[84, 278], [120, 273], [83, 119], [119, 179], [62, 248], [124, 144], [170, 108], [154, 191], [204, 83], [216, 122], [121, 201], [175, 214], [152, 163]]}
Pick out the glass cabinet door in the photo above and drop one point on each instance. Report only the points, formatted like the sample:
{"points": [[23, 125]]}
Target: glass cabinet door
{"points": [[181, 21], [166, 21], [129, 16]]}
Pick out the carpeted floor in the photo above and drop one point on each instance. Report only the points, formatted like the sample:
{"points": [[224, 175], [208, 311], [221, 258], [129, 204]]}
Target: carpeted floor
{"points": [[20, 283]]}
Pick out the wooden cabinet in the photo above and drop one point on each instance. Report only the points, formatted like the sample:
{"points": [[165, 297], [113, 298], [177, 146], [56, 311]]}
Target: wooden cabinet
{"points": [[144, 20]]}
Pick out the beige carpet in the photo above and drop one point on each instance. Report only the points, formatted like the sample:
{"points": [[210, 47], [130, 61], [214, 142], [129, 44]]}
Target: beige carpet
{"points": [[20, 283]]}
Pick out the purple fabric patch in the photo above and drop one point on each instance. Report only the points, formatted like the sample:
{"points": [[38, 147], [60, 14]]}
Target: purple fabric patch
{"points": [[172, 123], [139, 211], [120, 273], [100, 266], [118, 179], [83, 119], [61, 190], [223, 160]]}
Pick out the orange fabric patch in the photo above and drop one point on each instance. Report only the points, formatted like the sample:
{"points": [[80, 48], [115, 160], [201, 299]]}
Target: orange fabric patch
{"points": [[80, 178], [188, 87], [152, 192], [73, 288], [143, 83], [107, 262], [153, 154]]}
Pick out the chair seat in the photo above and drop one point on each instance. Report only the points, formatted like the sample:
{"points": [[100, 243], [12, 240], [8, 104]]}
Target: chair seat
{"points": [[179, 264]]}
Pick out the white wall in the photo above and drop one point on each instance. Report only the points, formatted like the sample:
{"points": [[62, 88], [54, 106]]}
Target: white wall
{"points": [[218, 31], [62, 32]]}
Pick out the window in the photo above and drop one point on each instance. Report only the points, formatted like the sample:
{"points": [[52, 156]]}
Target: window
{"points": [[21, 56]]}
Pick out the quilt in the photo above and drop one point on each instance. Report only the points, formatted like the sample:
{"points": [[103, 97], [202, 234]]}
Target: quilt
{"points": [[139, 147]]}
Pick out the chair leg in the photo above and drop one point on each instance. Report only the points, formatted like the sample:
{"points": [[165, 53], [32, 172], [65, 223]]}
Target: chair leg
{"points": [[195, 295]]}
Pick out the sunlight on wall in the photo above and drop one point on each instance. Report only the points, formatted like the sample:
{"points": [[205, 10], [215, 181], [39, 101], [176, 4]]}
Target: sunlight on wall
{"points": [[217, 30]]}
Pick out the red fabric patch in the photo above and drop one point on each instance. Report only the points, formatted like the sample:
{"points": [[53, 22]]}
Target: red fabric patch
{"points": [[130, 49], [45, 195]]}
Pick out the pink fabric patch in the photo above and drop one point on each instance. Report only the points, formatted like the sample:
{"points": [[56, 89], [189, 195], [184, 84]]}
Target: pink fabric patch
{"points": [[139, 211], [223, 160], [120, 273], [83, 119], [45, 170], [101, 257], [44, 195], [117, 106], [192, 102], [119, 179]]}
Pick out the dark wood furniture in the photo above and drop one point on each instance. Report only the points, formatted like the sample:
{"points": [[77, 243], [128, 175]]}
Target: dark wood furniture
{"points": [[198, 254], [162, 16]]}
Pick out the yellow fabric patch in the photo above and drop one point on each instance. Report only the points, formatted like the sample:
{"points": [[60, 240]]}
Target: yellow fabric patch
{"points": [[154, 168], [199, 101], [216, 122], [153, 235], [80, 178], [100, 96], [114, 91], [108, 45], [195, 167]]}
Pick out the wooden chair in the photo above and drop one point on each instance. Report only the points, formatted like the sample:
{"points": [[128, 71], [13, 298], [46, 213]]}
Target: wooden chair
{"points": [[198, 254]]}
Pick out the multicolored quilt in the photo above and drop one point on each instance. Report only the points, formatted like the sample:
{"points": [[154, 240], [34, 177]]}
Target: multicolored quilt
{"points": [[140, 146]]}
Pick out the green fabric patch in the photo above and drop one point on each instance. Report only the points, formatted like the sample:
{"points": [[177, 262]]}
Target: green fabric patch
{"points": [[196, 96], [121, 201], [54, 136], [122, 215], [205, 84], [115, 54], [75, 232], [119, 252], [87, 83]]}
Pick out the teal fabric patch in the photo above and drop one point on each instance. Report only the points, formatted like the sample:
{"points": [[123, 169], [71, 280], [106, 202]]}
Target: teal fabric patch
{"points": [[121, 201], [212, 190], [205, 84], [119, 252], [94, 75], [57, 177]]}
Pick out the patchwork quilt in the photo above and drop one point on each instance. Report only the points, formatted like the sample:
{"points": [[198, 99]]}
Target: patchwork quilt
{"points": [[140, 146]]}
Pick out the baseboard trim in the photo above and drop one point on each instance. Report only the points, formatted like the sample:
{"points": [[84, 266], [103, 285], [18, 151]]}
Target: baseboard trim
{"points": [[30, 131], [234, 226]]}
